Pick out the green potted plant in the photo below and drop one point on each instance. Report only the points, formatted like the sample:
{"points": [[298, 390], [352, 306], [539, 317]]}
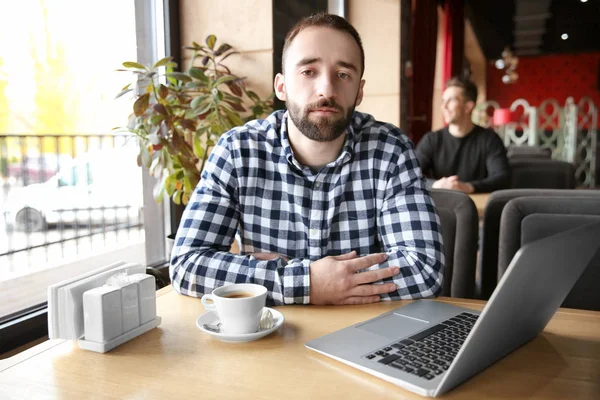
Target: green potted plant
{"points": [[179, 116]]}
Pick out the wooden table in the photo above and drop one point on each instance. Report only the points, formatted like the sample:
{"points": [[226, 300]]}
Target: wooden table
{"points": [[178, 361], [480, 200]]}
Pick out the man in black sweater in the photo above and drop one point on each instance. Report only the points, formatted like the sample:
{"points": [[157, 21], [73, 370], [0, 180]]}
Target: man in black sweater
{"points": [[463, 156]]}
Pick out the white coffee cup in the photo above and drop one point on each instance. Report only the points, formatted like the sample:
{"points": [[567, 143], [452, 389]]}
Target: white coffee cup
{"points": [[239, 306]]}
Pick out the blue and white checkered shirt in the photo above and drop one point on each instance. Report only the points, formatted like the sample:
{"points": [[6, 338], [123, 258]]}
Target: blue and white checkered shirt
{"points": [[371, 199]]}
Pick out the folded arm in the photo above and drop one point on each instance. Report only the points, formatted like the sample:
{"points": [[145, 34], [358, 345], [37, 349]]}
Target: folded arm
{"points": [[498, 169], [411, 234], [201, 260]]}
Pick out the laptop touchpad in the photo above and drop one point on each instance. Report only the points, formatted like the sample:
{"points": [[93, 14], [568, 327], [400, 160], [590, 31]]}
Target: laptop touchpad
{"points": [[393, 326]]}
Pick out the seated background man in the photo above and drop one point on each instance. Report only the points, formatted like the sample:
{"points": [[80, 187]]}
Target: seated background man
{"points": [[463, 156], [330, 204]]}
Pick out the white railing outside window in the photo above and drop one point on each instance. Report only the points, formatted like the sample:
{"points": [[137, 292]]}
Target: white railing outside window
{"points": [[58, 79]]}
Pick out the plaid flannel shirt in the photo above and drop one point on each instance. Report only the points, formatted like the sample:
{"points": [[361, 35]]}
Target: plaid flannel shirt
{"points": [[372, 198]]}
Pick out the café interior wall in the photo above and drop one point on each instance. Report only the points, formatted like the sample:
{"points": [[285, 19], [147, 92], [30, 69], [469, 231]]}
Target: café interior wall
{"points": [[437, 121], [249, 30], [477, 64], [247, 25], [555, 76], [378, 23]]}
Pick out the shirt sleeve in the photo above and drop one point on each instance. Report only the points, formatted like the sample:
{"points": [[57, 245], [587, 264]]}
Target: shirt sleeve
{"points": [[497, 166], [200, 259], [411, 233], [424, 153]]}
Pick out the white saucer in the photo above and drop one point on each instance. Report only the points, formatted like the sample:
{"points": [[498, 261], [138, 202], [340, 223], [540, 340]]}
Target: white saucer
{"points": [[212, 319]]}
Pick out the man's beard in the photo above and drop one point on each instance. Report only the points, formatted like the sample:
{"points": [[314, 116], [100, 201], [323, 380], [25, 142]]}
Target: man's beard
{"points": [[455, 117], [326, 129]]}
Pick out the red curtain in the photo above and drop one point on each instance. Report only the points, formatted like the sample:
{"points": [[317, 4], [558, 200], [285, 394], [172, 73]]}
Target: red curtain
{"points": [[454, 38], [422, 54]]}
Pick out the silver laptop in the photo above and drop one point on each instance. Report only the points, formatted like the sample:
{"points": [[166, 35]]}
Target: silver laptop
{"points": [[429, 347]]}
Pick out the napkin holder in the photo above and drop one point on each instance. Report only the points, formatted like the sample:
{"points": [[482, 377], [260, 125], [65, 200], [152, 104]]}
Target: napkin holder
{"points": [[67, 317], [103, 347]]}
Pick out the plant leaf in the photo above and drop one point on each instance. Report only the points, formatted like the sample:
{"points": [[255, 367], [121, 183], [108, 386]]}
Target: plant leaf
{"points": [[185, 198], [156, 119], [180, 76], [217, 95], [222, 49], [145, 156], [210, 41], [187, 184], [189, 114], [162, 62], [199, 147], [197, 101], [159, 191], [163, 91], [172, 80], [131, 64], [235, 88], [233, 99], [170, 182], [224, 79], [141, 104], [123, 92], [237, 107], [159, 108], [257, 110], [227, 55], [187, 124], [196, 84], [176, 197], [235, 119], [197, 73], [253, 96], [205, 60]]}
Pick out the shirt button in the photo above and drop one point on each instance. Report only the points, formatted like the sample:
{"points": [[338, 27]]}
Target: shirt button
{"points": [[317, 185]]}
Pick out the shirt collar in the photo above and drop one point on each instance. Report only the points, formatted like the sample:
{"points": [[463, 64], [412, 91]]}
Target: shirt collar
{"points": [[347, 149]]}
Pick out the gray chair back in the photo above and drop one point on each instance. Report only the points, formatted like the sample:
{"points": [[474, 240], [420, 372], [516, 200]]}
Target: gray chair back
{"points": [[527, 219], [528, 152], [460, 224], [540, 173], [487, 266]]}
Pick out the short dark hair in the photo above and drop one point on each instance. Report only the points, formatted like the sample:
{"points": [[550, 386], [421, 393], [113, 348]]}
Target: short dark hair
{"points": [[326, 21], [468, 87]]}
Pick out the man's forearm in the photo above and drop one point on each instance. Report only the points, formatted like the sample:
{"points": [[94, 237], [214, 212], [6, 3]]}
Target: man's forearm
{"points": [[491, 183], [421, 273], [198, 272]]}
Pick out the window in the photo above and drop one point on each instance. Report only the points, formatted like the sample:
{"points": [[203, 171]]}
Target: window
{"points": [[71, 195]]}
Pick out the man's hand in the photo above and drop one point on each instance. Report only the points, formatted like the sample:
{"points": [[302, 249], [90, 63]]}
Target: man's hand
{"points": [[336, 279], [453, 183]]}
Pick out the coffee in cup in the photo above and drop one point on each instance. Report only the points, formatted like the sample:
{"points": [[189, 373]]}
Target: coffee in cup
{"points": [[238, 295], [239, 306]]}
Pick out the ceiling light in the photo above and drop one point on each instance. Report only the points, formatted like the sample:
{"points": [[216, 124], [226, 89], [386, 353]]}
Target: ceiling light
{"points": [[584, 1], [509, 62], [564, 36]]}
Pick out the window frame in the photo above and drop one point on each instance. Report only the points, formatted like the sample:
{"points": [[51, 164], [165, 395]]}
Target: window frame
{"points": [[155, 37]]}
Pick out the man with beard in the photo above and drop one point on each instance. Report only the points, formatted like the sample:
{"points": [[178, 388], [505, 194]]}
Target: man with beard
{"points": [[329, 205], [463, 156]]}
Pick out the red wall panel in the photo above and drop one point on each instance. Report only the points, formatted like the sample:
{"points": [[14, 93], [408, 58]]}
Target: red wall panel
{"points": [[556, 76]]}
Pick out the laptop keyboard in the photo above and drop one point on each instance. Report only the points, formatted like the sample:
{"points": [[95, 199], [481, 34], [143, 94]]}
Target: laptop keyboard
{"points": [[430, 352]]}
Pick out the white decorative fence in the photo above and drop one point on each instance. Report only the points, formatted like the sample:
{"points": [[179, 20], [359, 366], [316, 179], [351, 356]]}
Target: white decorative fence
{"points": [[570, 132]]}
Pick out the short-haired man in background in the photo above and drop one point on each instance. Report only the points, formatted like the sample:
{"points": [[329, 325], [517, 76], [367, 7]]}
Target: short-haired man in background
{"points": [[463, 156], [330, 205]]}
